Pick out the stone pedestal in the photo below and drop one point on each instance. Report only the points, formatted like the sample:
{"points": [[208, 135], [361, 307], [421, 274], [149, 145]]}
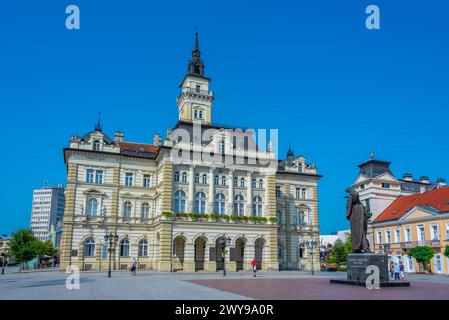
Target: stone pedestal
{"points": [[358, 270], [357, 265], [189, 266]]}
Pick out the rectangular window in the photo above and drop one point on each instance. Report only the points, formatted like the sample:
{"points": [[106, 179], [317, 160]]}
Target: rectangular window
{"points": [[379, 237], [195, 114], [408, 236], [397, 235], [147, 181], [197, 88], [362, 186], [447, 231], [298, 193], [90, 176], [386, 185], [304, 193], [278, 191], [129, 177], [421, 233], [223, 180], [387, 236], [99, 176], [435, 235]]}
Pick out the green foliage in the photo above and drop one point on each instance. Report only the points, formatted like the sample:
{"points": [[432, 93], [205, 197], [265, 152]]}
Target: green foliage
{"points": [[191, 216], [253, 218], [227, 217], [273, 219], [261, 219], [46, 250], [421, 253], [340, 251], [446, 251], [234, 217], [24, 246], [167, 214]]}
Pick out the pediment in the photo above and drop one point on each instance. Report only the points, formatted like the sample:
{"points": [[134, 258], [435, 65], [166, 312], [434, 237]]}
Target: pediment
{"points": [[387, 177], [361, 178], [93, 191], [418, 213]]}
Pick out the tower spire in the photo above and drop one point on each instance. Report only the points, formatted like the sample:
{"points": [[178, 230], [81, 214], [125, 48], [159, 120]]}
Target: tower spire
{"points": [[98, 125], [196, 65]]}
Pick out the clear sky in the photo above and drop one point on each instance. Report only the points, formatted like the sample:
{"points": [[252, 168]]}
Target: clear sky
{"points": [[309, 68]]}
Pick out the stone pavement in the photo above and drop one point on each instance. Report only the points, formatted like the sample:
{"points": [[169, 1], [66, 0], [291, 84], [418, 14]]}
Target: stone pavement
{"points": [[207, 286]]}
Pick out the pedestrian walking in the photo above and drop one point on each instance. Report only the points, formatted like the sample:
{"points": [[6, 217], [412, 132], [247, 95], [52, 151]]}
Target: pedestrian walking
{"points": [[396, 271], [255, 265], [401, 269], [133, 266]]}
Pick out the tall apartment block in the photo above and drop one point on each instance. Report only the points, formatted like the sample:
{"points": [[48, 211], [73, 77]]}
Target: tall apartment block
{"points": [[47, 209]]}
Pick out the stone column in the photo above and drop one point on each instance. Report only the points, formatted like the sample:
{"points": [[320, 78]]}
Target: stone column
{"points": [[165, 243], [189, 257], [190, 202], [211, 191], [249, 194], [230, 205]]}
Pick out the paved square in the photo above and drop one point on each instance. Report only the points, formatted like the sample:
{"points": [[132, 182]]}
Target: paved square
{"points": [[292, 285]]}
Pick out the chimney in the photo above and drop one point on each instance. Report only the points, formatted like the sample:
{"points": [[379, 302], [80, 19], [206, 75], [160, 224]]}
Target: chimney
{"points": [[157, 140], [407, 177], [118, 136], [424, 179], [441, 182]]}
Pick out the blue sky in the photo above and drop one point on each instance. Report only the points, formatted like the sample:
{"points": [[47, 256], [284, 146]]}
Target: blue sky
{"points": [[309, 68]]}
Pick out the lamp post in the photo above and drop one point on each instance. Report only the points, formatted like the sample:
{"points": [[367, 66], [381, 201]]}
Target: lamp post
{"points": [[224, 242], [110, 239]]}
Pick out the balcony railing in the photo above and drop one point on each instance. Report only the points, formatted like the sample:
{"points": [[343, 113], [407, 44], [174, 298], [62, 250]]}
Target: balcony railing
{"points": [[408, 245]]}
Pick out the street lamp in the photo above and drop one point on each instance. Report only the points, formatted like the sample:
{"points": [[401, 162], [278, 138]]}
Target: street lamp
{"points": [[310, 244], [224, 242], [4, 261], [110, 239]]}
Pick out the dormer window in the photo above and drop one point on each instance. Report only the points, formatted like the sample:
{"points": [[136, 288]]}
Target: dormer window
{"points": [[96, 145], [197, 89], [197, 114]]}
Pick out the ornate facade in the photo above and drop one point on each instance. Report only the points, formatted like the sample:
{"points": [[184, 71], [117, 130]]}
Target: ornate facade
{"points": [[171, 202]]}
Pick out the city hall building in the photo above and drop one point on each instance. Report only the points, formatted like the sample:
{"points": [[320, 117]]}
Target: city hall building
{"points": [[173, 202]]}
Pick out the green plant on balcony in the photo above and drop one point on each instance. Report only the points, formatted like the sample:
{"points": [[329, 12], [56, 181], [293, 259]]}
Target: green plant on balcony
{"points": [[167, 214], [253, 218], [234, 217], [244, 218], [261, 219], [273, 219], [192, 216], [226, 217]]}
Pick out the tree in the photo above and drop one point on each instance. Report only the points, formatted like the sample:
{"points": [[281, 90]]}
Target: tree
{"points": [[46, 251], [24, 246], [446, 251], [338, 253], [422, 254]]}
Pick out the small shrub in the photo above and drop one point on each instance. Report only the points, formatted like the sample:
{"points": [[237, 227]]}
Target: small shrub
{"points": [[227, 217], [167, 214], [273, 219], [253, 218], [191, 216], [261, 219], [234, 217]]}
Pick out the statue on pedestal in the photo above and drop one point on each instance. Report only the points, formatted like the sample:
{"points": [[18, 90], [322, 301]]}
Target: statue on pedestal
{"points": [[357, 215]]}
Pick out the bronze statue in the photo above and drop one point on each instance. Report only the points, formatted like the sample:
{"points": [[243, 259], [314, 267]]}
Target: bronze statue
{"points": [[358, 217]]}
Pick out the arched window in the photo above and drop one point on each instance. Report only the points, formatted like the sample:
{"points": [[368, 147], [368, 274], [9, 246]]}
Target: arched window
{"points": [[197, 178], [239, 205], [184, 177], [96, 145], [242, 182], [127, 209], [92, 207], [176, 176], [180, 201], [257, 206], [89, 247], [145, 210], [220, 204], [200, 202], [204, 178], [124, 248], [143, 248]]}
